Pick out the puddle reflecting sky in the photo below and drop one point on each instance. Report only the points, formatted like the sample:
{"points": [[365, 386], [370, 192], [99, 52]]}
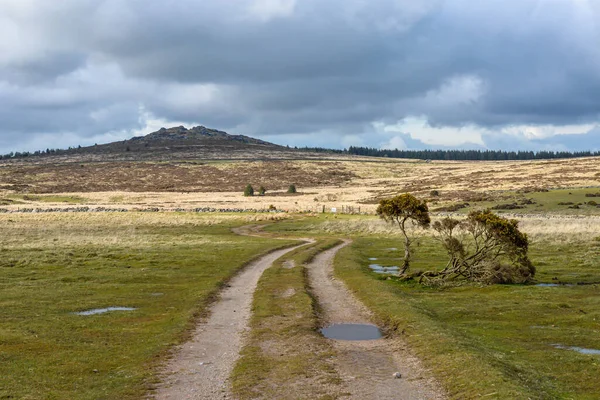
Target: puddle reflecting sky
{"points": [[104, 310], [352, 332], [581, 350]]}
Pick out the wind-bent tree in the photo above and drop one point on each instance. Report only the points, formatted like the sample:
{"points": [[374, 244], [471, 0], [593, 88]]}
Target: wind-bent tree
{"points": [[400, 210], [484, 248]]}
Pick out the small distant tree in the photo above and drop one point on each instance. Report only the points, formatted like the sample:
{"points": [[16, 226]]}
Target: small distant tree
{"points": [[262, 191], [127, 148], [292, 189], [401, 210], [249, 191], [484, 248]]}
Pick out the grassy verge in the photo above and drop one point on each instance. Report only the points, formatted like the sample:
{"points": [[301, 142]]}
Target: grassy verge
{"points": [[285, 357], [496, 341], [167, 266], [48, 198]]}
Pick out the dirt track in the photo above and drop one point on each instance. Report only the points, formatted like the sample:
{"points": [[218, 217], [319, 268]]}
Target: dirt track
{"points": [[367, 367], [201, 367]]}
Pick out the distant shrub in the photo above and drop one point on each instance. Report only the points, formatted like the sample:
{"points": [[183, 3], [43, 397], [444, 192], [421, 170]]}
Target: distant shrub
{"points": [[592, 194], [292, 189], [592, 203], [527, 201], [262, 190], [272, 207], [533, 189], [566, 203], [434, 193], [510, 206], [477, 197], [575, 207], [249, 191], [453, 207]]}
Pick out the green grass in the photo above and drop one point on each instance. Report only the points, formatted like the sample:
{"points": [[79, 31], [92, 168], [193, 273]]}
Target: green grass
{"points": [[285, 357], [169, 272], [544, 202], [48, 198], [496, 340], [8, 202]]}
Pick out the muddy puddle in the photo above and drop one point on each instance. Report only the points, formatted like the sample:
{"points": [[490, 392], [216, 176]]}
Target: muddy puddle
{"points": [[352, 332], [380, 269], [104, 310], [581, 350]]}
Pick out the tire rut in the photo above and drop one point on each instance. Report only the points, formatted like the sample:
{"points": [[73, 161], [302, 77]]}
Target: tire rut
{"points": [[201, 367], [367, 367]]}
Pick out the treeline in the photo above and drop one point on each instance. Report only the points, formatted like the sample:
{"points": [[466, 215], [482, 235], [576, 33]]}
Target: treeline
{"points": [[451, 155], [23, 154], [475, 155]]}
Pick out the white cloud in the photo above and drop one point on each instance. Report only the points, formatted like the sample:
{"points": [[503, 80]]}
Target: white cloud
{"points": [[395, 142], [419, 128], [266, 10]]}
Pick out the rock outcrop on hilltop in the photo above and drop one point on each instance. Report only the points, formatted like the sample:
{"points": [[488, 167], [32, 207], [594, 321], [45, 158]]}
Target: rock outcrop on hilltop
{"points": [[198, 133]]}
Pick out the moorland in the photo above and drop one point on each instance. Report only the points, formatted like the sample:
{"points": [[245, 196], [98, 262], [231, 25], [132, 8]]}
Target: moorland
{"points": [[134, 238]]}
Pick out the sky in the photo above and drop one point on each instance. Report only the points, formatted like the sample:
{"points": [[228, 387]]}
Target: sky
{"points": [[496, 74]]}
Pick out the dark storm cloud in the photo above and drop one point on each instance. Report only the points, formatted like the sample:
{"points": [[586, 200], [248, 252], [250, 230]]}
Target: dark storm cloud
{"points": [[299, 68]]}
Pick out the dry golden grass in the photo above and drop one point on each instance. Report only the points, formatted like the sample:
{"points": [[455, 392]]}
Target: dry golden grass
{"points": [[557, 228], [68, 230], [561, 228], [340, 183]]}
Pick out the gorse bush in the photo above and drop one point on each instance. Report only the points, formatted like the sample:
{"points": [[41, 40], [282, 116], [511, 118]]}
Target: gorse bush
{"points": [[249, 191], [484, 248]]}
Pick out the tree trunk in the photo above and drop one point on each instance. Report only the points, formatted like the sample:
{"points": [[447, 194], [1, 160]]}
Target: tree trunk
{"points": [[406, 261]]}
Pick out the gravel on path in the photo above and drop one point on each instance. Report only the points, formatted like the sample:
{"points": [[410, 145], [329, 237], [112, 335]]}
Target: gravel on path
{"points": [[367, 367], [200, 368]]}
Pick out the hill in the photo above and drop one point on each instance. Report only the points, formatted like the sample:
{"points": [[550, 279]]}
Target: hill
{"points": [[177, 143]]}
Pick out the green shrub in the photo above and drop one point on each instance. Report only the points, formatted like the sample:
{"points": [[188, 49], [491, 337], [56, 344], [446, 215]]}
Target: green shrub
{"points": [[292, 189], [249, 191]]}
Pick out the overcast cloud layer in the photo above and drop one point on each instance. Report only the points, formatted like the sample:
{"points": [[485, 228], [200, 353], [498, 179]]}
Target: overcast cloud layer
{"points": [[389, 73]]}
